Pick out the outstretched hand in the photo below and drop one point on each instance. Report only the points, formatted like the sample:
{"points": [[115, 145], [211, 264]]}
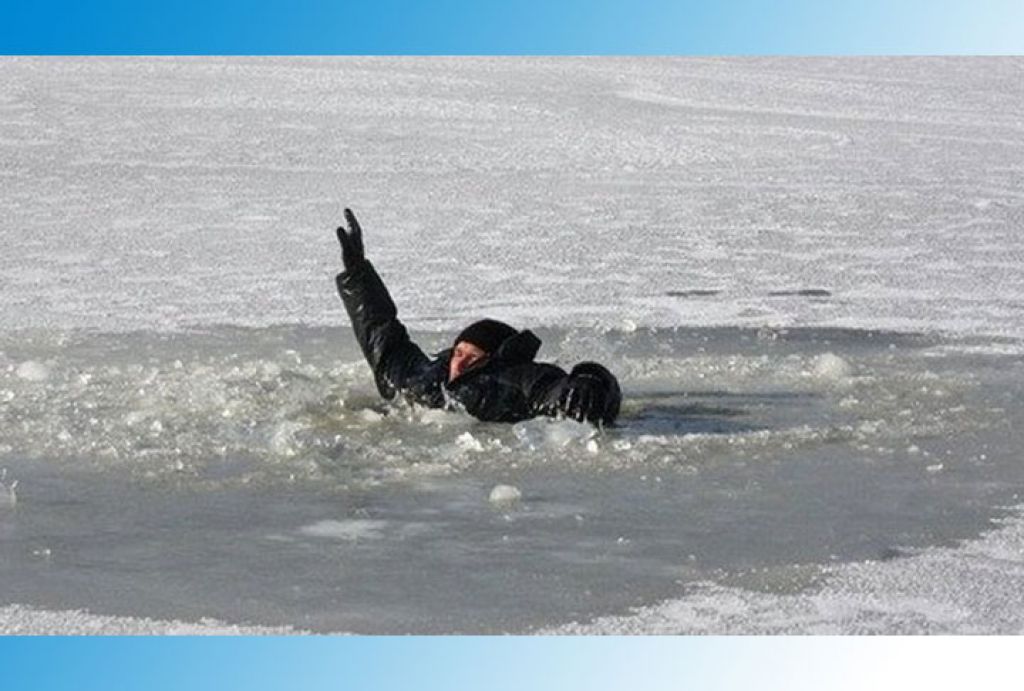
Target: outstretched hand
{"points": [[591, 393], [582, 399], [351, 240]]}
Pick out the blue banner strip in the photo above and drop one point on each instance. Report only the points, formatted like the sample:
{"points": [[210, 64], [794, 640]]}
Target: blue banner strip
{"points": [[508, 663], [462, 27]]}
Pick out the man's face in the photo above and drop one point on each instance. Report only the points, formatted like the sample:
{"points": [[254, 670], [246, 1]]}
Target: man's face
{"points": [[465, 356]]}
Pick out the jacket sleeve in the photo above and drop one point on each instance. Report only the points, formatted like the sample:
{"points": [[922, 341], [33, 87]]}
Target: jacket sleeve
{"points": [[393, 357], [509, 393], [542, 385]]}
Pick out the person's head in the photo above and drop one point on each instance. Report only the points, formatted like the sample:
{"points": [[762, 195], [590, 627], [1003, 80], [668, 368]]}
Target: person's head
{"points": [[476, 343]]}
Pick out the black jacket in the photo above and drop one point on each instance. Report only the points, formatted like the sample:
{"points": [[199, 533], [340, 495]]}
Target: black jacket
{"points": [[509, 386]]}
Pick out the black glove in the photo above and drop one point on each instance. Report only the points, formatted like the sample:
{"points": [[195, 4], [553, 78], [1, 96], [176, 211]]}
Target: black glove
{"points": [[351, 240], [590, 393]]}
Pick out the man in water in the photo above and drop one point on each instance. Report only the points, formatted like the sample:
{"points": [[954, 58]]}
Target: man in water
{"points": [[489, 370]]}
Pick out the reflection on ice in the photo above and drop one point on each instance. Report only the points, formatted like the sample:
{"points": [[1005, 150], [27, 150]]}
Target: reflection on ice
{"points": [[356, 529]]}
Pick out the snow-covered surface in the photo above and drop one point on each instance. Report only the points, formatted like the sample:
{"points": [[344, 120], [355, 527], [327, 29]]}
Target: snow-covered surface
{"points": [[16, 620], [972, 589], [147, 193], [150, 208]]}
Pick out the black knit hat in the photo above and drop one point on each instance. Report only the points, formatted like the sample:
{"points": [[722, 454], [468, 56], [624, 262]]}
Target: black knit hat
{"points": [[486, 334]]}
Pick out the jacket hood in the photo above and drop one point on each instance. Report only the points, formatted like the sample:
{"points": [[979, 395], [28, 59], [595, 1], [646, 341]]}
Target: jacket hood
{"points": [[520, 348]]}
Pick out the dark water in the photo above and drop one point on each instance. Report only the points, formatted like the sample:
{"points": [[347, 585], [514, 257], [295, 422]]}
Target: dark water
{"points": [[252, 475]]}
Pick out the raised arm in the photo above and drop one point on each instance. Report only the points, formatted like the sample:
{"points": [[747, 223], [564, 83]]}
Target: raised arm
{"points": [[383, 339]]}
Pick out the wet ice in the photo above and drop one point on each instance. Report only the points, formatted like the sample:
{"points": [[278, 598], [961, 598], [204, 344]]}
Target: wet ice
{"points": [[735, 453]]}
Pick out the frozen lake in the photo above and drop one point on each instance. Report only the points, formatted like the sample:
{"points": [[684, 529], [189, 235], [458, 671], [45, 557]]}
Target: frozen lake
{"points": [[806, 273]]}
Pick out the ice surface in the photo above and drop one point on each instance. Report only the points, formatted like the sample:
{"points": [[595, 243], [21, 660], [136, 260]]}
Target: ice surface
{"points": [[172, 347], [16, 620], [32, 371], [345, 530], [146, 193], [924, 592], [169, 463], [8, 494], [505, 495], [831, 367]]}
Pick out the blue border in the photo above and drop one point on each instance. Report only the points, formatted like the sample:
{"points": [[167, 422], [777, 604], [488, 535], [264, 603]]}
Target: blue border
{"points": [[459, 27], [508, 664], [507, 27]]}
